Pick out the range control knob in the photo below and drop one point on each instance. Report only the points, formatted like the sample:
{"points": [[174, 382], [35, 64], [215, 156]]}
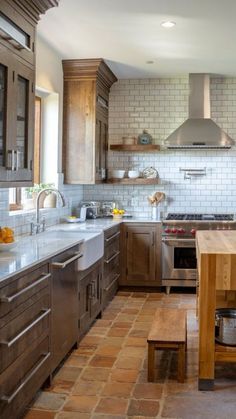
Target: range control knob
{"points": [[193, 232], [180, 231], [174, 230], [167, 230]]}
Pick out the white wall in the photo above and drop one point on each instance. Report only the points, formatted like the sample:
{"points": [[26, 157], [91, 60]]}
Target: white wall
{"points": [[160, 106]]}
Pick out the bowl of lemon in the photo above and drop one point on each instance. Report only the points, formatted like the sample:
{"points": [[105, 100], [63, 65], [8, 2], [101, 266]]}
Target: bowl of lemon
{"points": [[117, 213], [7, 240]]}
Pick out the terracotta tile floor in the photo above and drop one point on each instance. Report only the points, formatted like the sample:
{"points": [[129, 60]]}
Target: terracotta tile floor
{"points": [[107, 376]]}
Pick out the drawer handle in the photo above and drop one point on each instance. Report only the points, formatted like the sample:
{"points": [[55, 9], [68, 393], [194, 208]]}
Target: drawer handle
{"points": [[114, 280], [9, 399], [22, 333], [112, 237], [5, 299], [112, 257], [62, 265]]}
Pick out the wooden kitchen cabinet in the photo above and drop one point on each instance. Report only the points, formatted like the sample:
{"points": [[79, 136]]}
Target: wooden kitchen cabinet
{"points": [[111, 270], [90, 296], [141, 254], [25, 338], [85, 120], [18, 21]]}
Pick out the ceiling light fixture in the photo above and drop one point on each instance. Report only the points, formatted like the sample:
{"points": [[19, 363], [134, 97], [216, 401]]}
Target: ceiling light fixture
{"points": [[168, 24]]}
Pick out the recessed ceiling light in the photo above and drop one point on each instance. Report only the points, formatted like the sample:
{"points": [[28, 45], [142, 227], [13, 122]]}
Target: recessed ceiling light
{"points": [[149, 62], [168, 24]]}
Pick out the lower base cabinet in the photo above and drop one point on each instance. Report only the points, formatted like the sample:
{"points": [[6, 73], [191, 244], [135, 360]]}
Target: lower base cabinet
{"points": [[90, 296], [111, 271], [141, 254], [25, 339]]}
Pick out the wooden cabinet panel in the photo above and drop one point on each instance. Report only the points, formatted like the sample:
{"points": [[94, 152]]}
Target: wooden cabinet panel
{"points": [[111, 270], [141, 254], [90, 296], [17, 335], [25, 338], [85, 120], [14, 296]]}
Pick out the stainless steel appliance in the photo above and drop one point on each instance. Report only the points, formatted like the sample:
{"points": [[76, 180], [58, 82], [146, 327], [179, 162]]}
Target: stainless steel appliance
{"points": [[93, 209], [199, 130], [225, 326], [179, 263]]}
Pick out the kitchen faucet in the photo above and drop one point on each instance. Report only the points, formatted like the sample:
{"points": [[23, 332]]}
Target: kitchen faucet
{"points": [[38, 227]]}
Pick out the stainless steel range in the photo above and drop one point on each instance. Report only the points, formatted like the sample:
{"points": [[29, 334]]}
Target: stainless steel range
{"points": [[179, 263]]}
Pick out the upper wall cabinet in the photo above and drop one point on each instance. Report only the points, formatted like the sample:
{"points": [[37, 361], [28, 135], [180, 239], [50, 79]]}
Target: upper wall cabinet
{"points": [[18, 20], [85, 120]]}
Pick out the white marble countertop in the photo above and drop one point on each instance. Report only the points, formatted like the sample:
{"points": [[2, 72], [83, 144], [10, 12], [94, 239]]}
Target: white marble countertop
{"points": [[31, 250]]}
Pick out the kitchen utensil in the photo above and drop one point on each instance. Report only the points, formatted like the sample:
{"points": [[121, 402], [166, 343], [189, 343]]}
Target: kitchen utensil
{"points": [[150, 173], [156, 198], [144, 138]]}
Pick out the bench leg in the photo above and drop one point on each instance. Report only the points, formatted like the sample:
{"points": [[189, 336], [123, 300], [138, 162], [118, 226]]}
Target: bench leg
{"points": [[151, 361], [181, 362]]}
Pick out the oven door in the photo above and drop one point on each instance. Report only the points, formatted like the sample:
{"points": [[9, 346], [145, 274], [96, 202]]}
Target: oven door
{"points": [[179, 259]]}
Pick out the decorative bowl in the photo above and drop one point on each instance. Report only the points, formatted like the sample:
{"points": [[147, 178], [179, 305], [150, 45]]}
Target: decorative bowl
{"points": [[117, 174], [4, 247], [133, 174]]}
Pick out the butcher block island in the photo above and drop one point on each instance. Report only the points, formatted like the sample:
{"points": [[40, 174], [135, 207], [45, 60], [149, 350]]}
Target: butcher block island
{"points": [[216, 259]]}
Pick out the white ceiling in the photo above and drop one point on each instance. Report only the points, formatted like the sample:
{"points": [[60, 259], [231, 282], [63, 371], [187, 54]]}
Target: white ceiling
{"points": [[127, 33]]}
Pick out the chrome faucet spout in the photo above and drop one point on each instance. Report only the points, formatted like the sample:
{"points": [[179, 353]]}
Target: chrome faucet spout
{"points": [[37, 226]]}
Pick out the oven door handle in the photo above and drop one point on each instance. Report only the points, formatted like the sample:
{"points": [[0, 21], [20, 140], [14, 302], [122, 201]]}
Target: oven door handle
{"points": [[178, 242]]}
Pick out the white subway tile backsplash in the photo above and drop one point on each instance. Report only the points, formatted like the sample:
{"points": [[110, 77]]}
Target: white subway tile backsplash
{"points": [[160, 106]]}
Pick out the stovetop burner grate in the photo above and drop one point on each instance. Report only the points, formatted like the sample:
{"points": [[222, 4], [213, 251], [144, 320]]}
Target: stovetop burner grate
{"points": [[200, 217]]}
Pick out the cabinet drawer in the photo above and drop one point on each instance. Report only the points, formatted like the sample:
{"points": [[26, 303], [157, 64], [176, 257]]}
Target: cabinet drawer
{"points": [[22, 289], [19, 382], [111, 235], [111, 267], [111, 250], [110, 288], [19, 334]]}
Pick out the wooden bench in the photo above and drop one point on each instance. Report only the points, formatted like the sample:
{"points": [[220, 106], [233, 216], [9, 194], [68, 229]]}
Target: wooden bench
{"points": [[168, 331]]}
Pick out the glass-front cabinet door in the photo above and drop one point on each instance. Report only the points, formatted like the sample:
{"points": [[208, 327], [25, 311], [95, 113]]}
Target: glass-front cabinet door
{"points": [[16, 122], [24, 123], [3, 113]]}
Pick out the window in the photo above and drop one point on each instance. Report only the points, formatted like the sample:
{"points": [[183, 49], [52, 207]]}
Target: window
{"points": [[45, 151], [19, 196]]}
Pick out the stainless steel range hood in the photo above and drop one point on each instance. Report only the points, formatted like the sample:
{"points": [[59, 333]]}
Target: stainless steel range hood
{"points": [[199, 130]]}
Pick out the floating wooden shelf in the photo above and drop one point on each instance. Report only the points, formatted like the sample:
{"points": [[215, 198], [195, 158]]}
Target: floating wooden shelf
{"points": [[137, 181], [135, 147]]}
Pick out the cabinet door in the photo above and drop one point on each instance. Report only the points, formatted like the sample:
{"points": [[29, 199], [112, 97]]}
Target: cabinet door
{"points": [[84, 306], [140, 247], [6, 103], [101, 148], [24, 120], [96, 284], [16, 120]]}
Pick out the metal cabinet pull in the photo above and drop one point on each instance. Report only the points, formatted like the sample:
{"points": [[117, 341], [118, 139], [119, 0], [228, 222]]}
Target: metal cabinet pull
{"points": [[62, 265], [114, 280], [9, 399], [112, 237], [13, 297], [90, 291], [23, 332], [11, 160], [112, 257]]}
